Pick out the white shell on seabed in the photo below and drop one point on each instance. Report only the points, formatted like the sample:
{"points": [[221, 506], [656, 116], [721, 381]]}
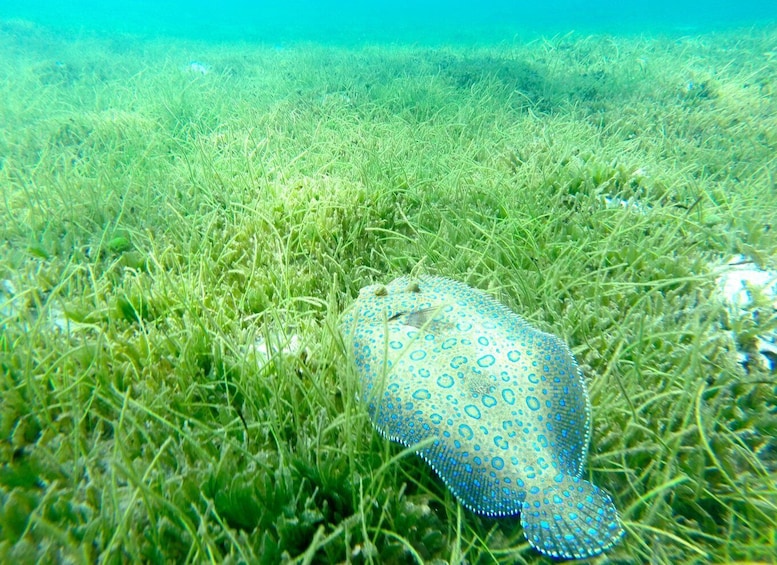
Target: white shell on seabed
{"points": [[739, 279], [265, 349]]}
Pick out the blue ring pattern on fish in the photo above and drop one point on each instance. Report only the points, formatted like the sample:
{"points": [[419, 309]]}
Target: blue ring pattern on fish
{"points": [[503, 404]]}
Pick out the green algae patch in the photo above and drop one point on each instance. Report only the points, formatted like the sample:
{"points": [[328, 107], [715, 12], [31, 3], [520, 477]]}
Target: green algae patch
{"points": [[118, 244]]}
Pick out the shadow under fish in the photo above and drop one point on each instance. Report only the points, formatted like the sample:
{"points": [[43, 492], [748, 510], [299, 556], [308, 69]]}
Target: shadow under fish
{"points": [[501, 407]]}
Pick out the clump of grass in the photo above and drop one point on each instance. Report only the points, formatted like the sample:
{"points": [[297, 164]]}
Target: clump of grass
{"points": [[152, 234]]}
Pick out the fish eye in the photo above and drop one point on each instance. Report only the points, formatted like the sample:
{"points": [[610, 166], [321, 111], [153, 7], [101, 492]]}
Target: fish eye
{"points": [[381, 291]]}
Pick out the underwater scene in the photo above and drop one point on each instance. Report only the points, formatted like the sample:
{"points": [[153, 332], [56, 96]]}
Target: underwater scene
{"points": [[399, 282]]}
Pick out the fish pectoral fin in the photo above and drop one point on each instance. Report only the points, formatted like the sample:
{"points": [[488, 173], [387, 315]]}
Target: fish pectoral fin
{"points": [[422, 318]]}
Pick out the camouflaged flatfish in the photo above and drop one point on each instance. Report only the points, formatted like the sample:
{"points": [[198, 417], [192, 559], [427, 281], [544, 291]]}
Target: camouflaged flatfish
{"points": [[505, 403]]}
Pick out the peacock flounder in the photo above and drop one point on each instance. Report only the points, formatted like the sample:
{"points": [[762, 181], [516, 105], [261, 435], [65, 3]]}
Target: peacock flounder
{"points": [[503, 407]]}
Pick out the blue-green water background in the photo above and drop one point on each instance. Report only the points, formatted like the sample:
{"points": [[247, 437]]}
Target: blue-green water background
{"points": [[380, 21]]}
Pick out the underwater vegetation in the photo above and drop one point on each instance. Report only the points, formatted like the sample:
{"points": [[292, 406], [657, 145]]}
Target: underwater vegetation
{"points": [[177, 249]]}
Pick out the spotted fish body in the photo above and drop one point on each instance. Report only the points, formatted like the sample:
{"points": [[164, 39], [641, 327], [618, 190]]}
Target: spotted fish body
{"points": [[502, 405]]}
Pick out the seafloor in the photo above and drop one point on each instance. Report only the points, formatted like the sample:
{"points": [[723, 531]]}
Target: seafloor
{"points": [[181, 225]]}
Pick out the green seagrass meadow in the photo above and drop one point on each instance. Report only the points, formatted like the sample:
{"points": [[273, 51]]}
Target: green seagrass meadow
{"points": [[178, 243]]}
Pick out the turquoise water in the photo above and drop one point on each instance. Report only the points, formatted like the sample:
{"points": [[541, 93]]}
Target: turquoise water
{"points": [[406, 21]]}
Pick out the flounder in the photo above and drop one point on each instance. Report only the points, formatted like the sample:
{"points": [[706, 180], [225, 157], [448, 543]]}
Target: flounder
{"points": [[502, 405]]}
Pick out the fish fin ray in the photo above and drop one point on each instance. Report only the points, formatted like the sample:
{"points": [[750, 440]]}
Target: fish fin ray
{"points": [[572, 519]]}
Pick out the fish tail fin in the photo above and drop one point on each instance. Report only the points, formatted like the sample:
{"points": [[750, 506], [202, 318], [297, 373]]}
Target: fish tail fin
{"points": [[570, 518]]}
